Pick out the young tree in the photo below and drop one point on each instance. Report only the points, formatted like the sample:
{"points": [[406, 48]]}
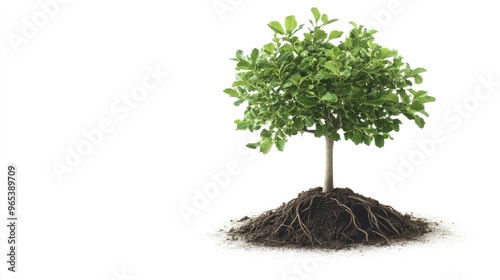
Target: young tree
{"points": [[323, 84]]}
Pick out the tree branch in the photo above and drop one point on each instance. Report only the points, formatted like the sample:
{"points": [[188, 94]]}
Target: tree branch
{"points": [[309, 130], [339, 126], [329, 118]]}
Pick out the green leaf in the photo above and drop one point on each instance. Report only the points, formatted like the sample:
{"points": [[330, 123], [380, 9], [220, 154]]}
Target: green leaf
{"points": [[377, 102], [276, 27], [239, 55], [387, 127], [426, 99], [266, 133], [253, 145], [419, 121], [309, 122], [266, 145], [410, 116], [307, 101], [357, 138], [418, 79], [324, 18], [239, 83], [392, 97], [330, 97], [269, 48], [368, 140], [379, 140], [243, 64], [307, 37], [345, 73], [316, 14], [319, 130], [395, 126], [242, 126], [231, 92], [417, 71], [254, 55], [331, 54], [290, 23], [418, 94], [249, 114], [280, 144], [335, 34], [348, 42], [415, 105], [385, 53], [298, 123], [282, 58], [423, 112], [332, 66], [335, 136]]}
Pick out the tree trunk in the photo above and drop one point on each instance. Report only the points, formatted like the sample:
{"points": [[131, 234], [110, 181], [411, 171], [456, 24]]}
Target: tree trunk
{"points": [[328, 186]]}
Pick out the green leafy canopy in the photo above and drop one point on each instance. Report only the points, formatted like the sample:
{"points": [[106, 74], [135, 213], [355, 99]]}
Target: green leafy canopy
{"points": [[324, 84]]}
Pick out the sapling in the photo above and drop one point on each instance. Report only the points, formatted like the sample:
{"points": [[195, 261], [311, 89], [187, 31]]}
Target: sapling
{"points": [[321, 82], [318, 80]]}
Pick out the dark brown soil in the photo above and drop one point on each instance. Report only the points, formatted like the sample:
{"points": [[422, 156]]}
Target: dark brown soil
{"points": [[329, 220]]}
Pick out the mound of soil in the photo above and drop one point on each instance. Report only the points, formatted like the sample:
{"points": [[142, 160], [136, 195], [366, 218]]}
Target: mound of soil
{"points": [[329, 220]]}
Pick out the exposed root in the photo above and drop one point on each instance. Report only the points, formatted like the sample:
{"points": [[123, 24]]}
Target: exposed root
{"points": [[333, 220], [353, 220]]}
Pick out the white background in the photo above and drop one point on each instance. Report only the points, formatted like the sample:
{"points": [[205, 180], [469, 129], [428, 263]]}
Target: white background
{"points": [[117, 215]]}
